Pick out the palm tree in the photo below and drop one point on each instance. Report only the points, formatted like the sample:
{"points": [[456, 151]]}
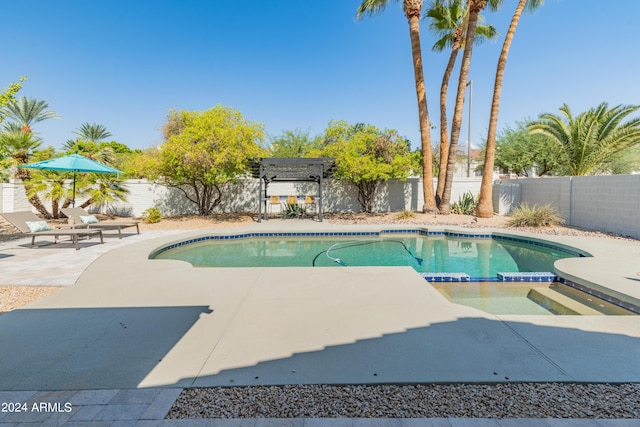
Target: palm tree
{"points": [[412, 10], [485, 203], [21, 146], [102, 190], [475, 7], [593, 137], [51, 184], [23, 113], [27, 111], [449, 21], [93, 132]]}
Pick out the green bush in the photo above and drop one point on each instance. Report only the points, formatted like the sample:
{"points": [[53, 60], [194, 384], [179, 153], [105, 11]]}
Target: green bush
{"points": [[152, 215], [466, 204], [535, 216]]}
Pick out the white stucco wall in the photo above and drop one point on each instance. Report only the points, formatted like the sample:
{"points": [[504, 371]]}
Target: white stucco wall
{"points": [[392, 196]]}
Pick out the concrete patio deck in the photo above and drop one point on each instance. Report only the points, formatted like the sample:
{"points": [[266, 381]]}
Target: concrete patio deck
{"points": [[127, 322]]}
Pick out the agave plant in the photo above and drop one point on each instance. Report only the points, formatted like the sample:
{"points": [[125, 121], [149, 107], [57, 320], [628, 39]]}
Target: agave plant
{"points": [[466, 204], [292, 210]]}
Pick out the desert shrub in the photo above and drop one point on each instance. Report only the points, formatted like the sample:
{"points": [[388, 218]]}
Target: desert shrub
{"points": [[466, 204], [405, 215], [152, 215], [292, 210], [535, 216]]}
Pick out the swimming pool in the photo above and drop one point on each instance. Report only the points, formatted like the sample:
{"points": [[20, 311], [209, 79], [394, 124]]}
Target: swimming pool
{"points": [[487, 271], [476, 256]]}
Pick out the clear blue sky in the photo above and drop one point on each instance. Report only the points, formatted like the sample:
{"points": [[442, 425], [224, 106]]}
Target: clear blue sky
{"points": [[294, 64]]}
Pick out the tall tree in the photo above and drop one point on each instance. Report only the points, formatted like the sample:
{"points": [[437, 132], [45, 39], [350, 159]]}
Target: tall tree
{"points": [[23, 113], [27, 111], [475, 7], [20, 147], [593, 138], [366, 157], [412, 10], [448, 20], [92, 132], [485, 204], [203, 152], [295, 143], [519, 152]]}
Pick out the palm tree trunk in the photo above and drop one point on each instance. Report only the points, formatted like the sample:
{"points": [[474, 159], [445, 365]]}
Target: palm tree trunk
{"points": [[423, 113], [485, 203], [475, 7], [444, 127], [35, 200], [24, 175]]}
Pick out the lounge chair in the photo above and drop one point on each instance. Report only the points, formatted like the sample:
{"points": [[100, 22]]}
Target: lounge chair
{"points": [[31, 225], [82, 218]]}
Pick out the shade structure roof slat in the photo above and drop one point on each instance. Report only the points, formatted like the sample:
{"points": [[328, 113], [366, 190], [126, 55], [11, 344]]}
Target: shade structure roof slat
{"points": [[292, 169]]}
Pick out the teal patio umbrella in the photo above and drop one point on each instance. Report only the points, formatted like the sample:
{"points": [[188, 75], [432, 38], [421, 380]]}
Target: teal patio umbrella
{"points": [[73, 163]]}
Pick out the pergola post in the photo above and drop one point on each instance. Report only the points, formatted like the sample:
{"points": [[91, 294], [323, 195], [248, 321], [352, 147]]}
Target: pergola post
{"points": [[320, 193], [260, 196]]}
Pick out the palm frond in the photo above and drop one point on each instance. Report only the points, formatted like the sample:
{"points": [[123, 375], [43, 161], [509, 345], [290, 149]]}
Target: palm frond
{"points": [[371, 7], [93, 132], [27, 111], [592, 138]]}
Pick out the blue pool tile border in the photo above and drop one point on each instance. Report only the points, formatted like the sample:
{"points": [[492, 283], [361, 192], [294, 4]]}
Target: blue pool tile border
{"points": [[420, 232]]}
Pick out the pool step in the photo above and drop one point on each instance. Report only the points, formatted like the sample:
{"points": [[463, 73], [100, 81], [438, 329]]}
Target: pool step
{"points": [[558, 303], [446, 277], [528, 277]]}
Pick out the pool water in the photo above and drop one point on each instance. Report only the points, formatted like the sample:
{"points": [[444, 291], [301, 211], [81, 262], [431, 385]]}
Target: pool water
{"points": [[479, 258]]}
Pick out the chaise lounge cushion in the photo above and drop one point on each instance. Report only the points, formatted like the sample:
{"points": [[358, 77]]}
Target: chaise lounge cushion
{"points": [[37, 226], [88, 219]]}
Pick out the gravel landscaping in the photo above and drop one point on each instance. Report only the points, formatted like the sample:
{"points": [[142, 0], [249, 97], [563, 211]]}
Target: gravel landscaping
{"points": [[544, 400]]}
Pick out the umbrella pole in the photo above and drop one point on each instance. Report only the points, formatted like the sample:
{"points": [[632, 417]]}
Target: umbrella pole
{"points": [[73, 198]]}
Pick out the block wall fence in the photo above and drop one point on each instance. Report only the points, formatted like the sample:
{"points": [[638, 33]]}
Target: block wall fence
{"points": [[609, 203]]}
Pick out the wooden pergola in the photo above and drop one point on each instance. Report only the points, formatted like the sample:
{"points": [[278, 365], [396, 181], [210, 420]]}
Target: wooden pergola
{"points": [[291, 170]]}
